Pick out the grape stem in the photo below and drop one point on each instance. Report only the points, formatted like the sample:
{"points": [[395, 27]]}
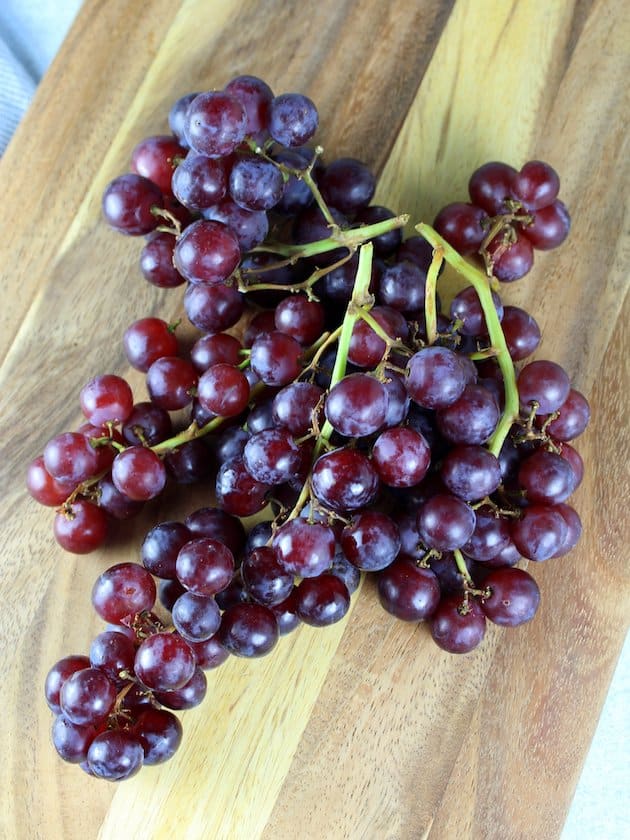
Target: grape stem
{"points": [[307, 176], [462, 569], [304, 285], [481, 355], [481, 284], [195, 431], [390, 343], [361, 298], [430, 305], [469, 583], [160, 212], [502, 223], [351, 239]]}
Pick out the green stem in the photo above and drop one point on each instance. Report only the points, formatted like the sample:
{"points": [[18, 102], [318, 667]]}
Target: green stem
{"points": [[305, 175], [315, 350], [304, 285], [482, 355], [390, 343], [481, 284], [430, 305], [360, 298], [350, 239], [462, 569], [194, 431], [323, 207]]}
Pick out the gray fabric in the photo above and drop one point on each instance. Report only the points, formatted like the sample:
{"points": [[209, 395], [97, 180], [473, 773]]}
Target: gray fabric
{"points": [[31, 32]]}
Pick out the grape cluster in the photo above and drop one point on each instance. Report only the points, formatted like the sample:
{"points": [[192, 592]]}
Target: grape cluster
{"points": [[366, 429], [511, 213]]}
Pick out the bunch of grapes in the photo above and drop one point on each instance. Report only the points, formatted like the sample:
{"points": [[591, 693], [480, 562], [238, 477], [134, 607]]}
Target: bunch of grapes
{"points": [[367, 430], [511, 214]]}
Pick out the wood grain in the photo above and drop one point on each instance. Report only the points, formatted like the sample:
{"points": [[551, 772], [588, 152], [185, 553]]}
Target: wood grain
{"points": [[365, 729]]}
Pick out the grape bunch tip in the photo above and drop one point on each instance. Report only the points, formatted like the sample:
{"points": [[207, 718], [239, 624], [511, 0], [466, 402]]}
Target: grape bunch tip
{"points": [[329, 395]]}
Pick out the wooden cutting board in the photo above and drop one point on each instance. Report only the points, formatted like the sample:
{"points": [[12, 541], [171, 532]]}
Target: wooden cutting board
{"points": [[366, 729]]}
